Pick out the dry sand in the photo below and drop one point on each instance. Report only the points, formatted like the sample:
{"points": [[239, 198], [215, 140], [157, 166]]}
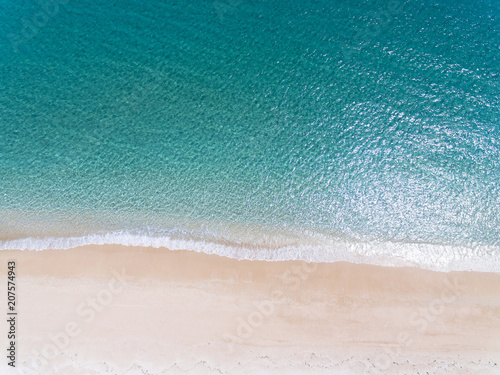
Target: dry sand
{"points": [[128, 310]]}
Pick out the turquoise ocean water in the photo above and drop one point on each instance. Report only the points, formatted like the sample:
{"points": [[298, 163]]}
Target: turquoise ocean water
{"points": [[366, 131]]}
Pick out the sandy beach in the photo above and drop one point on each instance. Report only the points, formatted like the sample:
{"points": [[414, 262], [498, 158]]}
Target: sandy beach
{"points": [[126, 310]]}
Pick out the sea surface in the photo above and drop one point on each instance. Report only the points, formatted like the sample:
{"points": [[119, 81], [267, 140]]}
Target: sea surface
{"points": [[323, 130]]}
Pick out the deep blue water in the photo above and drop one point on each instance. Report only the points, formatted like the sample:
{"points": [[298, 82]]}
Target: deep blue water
{"points": [[311, 129]]}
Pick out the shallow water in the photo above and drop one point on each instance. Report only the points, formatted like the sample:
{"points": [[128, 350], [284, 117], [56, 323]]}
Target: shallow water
{"points": [[321, 130]]}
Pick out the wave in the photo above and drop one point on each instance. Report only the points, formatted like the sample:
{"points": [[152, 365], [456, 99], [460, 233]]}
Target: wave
{"points": [[437, 257]]}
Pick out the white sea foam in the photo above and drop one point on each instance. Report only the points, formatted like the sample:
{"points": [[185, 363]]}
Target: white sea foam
{"points": [[423, 255]]}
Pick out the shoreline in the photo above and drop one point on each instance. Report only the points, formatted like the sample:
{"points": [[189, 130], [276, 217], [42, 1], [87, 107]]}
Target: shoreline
{"points": [[427, 256], [132, 308]]}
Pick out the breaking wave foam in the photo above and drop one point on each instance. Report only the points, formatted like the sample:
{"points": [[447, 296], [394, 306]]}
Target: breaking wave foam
{"points": [[436, 257]]}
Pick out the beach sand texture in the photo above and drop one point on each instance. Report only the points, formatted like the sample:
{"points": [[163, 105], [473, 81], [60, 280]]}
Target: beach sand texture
{"points": [[128, 310]]}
